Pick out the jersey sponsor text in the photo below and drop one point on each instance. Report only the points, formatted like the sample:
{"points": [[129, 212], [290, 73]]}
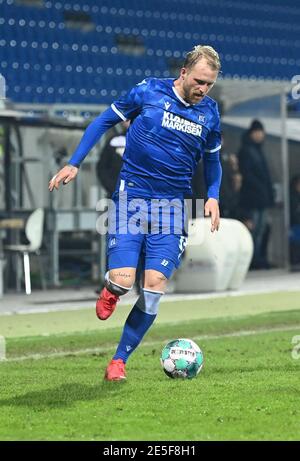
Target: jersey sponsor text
{"points": [[180, 124]]}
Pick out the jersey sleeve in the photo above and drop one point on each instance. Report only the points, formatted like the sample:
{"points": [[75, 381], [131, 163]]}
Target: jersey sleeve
{"points": [[212, 174], [130, 105], [211, 158], [92, 135], [213, 142]]}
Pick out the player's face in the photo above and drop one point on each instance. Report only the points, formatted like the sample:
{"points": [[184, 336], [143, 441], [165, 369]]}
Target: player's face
{"points": [[197, 81]]}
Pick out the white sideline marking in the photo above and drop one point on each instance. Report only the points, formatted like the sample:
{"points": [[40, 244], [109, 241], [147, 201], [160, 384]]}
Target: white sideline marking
{"points": [[2, 348], [96, 350], [130, 299]]}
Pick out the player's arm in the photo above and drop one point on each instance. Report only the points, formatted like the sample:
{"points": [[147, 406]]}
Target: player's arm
{"points": [[126, 108], [213, 172], [90, 137], [213, 175]]}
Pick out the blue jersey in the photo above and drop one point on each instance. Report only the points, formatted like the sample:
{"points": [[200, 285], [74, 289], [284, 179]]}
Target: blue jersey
{"points": [[165, 140]]}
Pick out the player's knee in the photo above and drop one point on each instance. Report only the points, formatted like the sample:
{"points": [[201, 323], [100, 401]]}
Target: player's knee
{"points": [[119, 284], [155, 282]]}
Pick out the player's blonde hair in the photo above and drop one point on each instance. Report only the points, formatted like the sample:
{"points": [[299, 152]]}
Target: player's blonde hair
{"points": [[203, 51]]}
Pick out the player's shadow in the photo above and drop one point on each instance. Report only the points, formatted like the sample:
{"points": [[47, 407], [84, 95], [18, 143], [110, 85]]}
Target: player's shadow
{"points": [[65, 395]]}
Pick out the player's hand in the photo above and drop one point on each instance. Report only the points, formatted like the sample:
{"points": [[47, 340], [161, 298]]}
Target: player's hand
{"points": [[66, 174], [211, 209]]}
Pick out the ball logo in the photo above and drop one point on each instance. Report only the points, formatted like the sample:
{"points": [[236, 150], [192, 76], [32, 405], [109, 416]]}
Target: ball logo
{"points": [[178, 353]]}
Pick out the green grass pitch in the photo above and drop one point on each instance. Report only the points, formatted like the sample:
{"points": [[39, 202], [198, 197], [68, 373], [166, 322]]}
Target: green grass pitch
{"points": [[249, 388]]}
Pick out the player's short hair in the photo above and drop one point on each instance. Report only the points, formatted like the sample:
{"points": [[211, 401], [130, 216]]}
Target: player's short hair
{"points": [[203, 51]]}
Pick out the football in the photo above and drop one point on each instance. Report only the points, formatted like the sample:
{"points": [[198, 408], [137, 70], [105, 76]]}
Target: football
{"points": [[182, 358]]}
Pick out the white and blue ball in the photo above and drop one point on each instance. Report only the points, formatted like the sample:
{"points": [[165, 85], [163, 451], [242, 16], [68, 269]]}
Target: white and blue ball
{"points": [[182, 358]]}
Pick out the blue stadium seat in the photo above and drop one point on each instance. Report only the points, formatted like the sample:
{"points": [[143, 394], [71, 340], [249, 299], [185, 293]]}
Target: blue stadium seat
{"points": [[47, 62]]}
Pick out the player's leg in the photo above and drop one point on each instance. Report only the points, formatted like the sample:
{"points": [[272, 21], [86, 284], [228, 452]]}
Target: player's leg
{"points": [[123, 249], [158, 269], [162, 255], [137, 323], [141, 316], [117, 283]]}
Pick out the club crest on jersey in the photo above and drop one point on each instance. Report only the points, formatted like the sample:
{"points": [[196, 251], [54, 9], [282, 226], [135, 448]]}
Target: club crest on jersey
{"points": [[201, 118], [180, 124]]}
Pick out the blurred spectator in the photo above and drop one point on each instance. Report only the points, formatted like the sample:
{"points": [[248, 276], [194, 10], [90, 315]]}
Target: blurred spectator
{"points": [[110, 162], [231, 184], [295, 220], [256, 192], [198, 184], [230, 187], [230, 206], [295, 200]]}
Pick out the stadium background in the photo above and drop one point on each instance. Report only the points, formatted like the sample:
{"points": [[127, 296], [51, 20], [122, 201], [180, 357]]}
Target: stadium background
{"points": [[66, 61]]}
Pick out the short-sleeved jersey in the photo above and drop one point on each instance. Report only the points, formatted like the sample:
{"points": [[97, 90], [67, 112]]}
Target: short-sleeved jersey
{"points": [[165, 140]]}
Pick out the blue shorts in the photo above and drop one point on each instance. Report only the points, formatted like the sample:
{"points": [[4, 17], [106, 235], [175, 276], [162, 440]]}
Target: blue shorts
{"points": [[146, 230]]}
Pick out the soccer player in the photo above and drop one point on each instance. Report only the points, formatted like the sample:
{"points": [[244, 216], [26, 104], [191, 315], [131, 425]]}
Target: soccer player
{"points": [[173, 125]]}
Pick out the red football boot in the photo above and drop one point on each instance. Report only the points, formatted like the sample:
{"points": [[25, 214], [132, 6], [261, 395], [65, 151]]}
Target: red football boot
{"points": [[115, 370], [106, 304]]}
